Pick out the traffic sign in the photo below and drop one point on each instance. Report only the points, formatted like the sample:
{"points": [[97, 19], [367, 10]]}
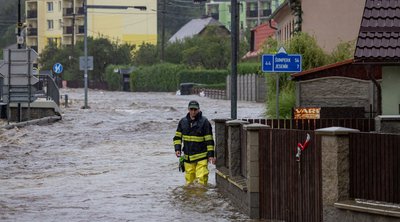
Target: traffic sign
{"points": [[281, 62], [88, 63], [58, 68]]}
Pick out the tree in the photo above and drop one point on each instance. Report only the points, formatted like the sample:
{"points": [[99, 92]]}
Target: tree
{"points": [[103, 51], [343, 51], [146, 54], [209, 50]]}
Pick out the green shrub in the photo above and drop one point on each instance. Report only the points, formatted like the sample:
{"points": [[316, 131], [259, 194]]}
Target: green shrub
{"points": [[203, 76], [248, 68], [157, 78], [287, 98], [166, 77], [112, 78]]}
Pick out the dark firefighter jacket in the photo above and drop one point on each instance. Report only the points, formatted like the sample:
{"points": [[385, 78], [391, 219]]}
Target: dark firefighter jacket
{"points": [[197, 138]]}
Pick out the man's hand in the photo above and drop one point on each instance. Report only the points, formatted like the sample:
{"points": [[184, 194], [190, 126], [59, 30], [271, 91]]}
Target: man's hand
{"points": [[211, 160], [178, 153]]}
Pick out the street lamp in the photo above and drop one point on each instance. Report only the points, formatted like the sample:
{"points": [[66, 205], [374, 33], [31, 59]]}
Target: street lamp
{"points": [[85, 7]]}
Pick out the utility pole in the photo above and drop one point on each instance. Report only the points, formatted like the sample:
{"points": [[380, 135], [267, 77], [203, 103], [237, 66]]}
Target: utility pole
{"points": [[163, 30], [86, 56], [234, 59], [19, 25]]}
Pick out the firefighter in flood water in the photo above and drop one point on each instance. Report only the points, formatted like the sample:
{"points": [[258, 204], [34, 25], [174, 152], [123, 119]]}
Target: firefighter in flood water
{"points": [[195, 131]]}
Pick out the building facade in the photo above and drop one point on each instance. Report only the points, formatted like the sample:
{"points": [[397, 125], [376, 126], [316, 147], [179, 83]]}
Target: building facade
{"points": [[329, 21], [62, 22], [252, 12]]}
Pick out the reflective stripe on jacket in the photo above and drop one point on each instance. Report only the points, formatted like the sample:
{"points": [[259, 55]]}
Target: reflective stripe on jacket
{"points": [[197, 138]]}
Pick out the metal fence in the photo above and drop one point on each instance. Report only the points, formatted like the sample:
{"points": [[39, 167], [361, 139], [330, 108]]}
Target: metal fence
{"points": [[375, 167], [364, 125], [290, 190]]}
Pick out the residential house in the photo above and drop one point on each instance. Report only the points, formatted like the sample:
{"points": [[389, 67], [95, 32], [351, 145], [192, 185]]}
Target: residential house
{"points": [[62, 22], [258, 36], [329, 21], [197, 27], [378, 43]]}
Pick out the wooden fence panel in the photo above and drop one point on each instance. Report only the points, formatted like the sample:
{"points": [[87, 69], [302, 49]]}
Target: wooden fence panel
{"points": [[290, 190], [374, 167]]}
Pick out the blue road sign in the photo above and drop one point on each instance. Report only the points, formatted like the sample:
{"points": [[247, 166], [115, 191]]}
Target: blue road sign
{"points": [[58, 68], [281, 62]]}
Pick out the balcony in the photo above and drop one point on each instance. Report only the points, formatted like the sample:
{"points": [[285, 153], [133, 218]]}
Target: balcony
{"points": [[68, 30], [68, 12], [32, 31], [31, 14], [80, 11], [81, 29]]}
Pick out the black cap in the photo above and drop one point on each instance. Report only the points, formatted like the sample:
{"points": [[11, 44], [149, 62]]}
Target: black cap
{"points": [[194, 104]]}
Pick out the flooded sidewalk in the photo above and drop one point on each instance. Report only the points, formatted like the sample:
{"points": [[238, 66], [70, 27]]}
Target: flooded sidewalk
{"points": [[112, 162]]}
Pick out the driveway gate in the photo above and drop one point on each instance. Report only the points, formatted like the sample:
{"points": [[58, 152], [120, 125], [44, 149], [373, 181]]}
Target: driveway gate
{"points": [[290, 190]]}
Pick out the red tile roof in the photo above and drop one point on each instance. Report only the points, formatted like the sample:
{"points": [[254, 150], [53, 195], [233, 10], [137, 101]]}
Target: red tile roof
{"points": [[379, 36]]}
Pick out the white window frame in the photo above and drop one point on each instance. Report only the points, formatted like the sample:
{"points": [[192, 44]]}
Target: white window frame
{"points": [[50, 6]]}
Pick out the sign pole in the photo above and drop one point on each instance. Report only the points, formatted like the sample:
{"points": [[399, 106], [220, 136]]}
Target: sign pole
{"points": [[277, 95], [85, 52], [280, 62]]}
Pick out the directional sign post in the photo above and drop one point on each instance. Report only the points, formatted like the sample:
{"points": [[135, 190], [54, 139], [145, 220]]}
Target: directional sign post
{"points": [[58, 68], [280, 62]]}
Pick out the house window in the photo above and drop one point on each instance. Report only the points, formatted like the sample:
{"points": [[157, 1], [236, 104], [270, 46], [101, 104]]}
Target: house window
{"points": [[50, 24], [60, 23], [49, 6], [59, 6]]}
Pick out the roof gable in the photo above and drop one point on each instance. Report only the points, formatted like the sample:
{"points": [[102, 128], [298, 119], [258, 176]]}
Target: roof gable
{"points": [[378, 39], [193, 27]]}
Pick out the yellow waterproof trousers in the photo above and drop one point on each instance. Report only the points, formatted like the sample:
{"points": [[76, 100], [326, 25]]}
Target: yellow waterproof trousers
{"points": [[197, 170]]}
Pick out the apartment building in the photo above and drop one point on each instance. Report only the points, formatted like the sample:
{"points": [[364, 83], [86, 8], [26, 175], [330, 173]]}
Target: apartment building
{"points": [[252, 12], [62, 22]]}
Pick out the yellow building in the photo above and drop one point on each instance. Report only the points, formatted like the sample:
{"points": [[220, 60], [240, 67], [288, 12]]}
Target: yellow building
{"points": [[62, 22]]}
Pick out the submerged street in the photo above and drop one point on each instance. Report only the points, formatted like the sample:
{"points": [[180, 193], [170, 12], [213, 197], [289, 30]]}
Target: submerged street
{"points": [[112, 162]]}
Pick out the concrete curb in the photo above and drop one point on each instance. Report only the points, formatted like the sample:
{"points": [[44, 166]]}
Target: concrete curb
{"points": [[41, 121]]}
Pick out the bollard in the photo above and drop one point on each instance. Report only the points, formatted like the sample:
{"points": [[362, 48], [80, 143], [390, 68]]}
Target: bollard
{"points": [[66, 100]]}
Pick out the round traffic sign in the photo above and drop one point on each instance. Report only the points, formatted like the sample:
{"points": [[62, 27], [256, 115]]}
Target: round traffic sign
{"points": [[58, 68]]}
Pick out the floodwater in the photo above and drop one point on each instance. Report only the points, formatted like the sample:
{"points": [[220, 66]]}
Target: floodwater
{"points": [[112, 162]]}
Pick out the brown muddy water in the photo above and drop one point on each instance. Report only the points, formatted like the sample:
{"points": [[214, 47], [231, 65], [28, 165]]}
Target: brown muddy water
{"points": [[112, 162]]}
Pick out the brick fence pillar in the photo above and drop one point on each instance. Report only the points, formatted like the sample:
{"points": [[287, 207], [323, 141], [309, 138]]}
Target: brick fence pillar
{"points": [[220, 142], [253, 170], [234, 146], [335, 166]]}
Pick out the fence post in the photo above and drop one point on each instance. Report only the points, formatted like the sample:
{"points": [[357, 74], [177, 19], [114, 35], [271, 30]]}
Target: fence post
{"points": [[234, 146], [253, 168], [334, 167], [220, 142]]}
